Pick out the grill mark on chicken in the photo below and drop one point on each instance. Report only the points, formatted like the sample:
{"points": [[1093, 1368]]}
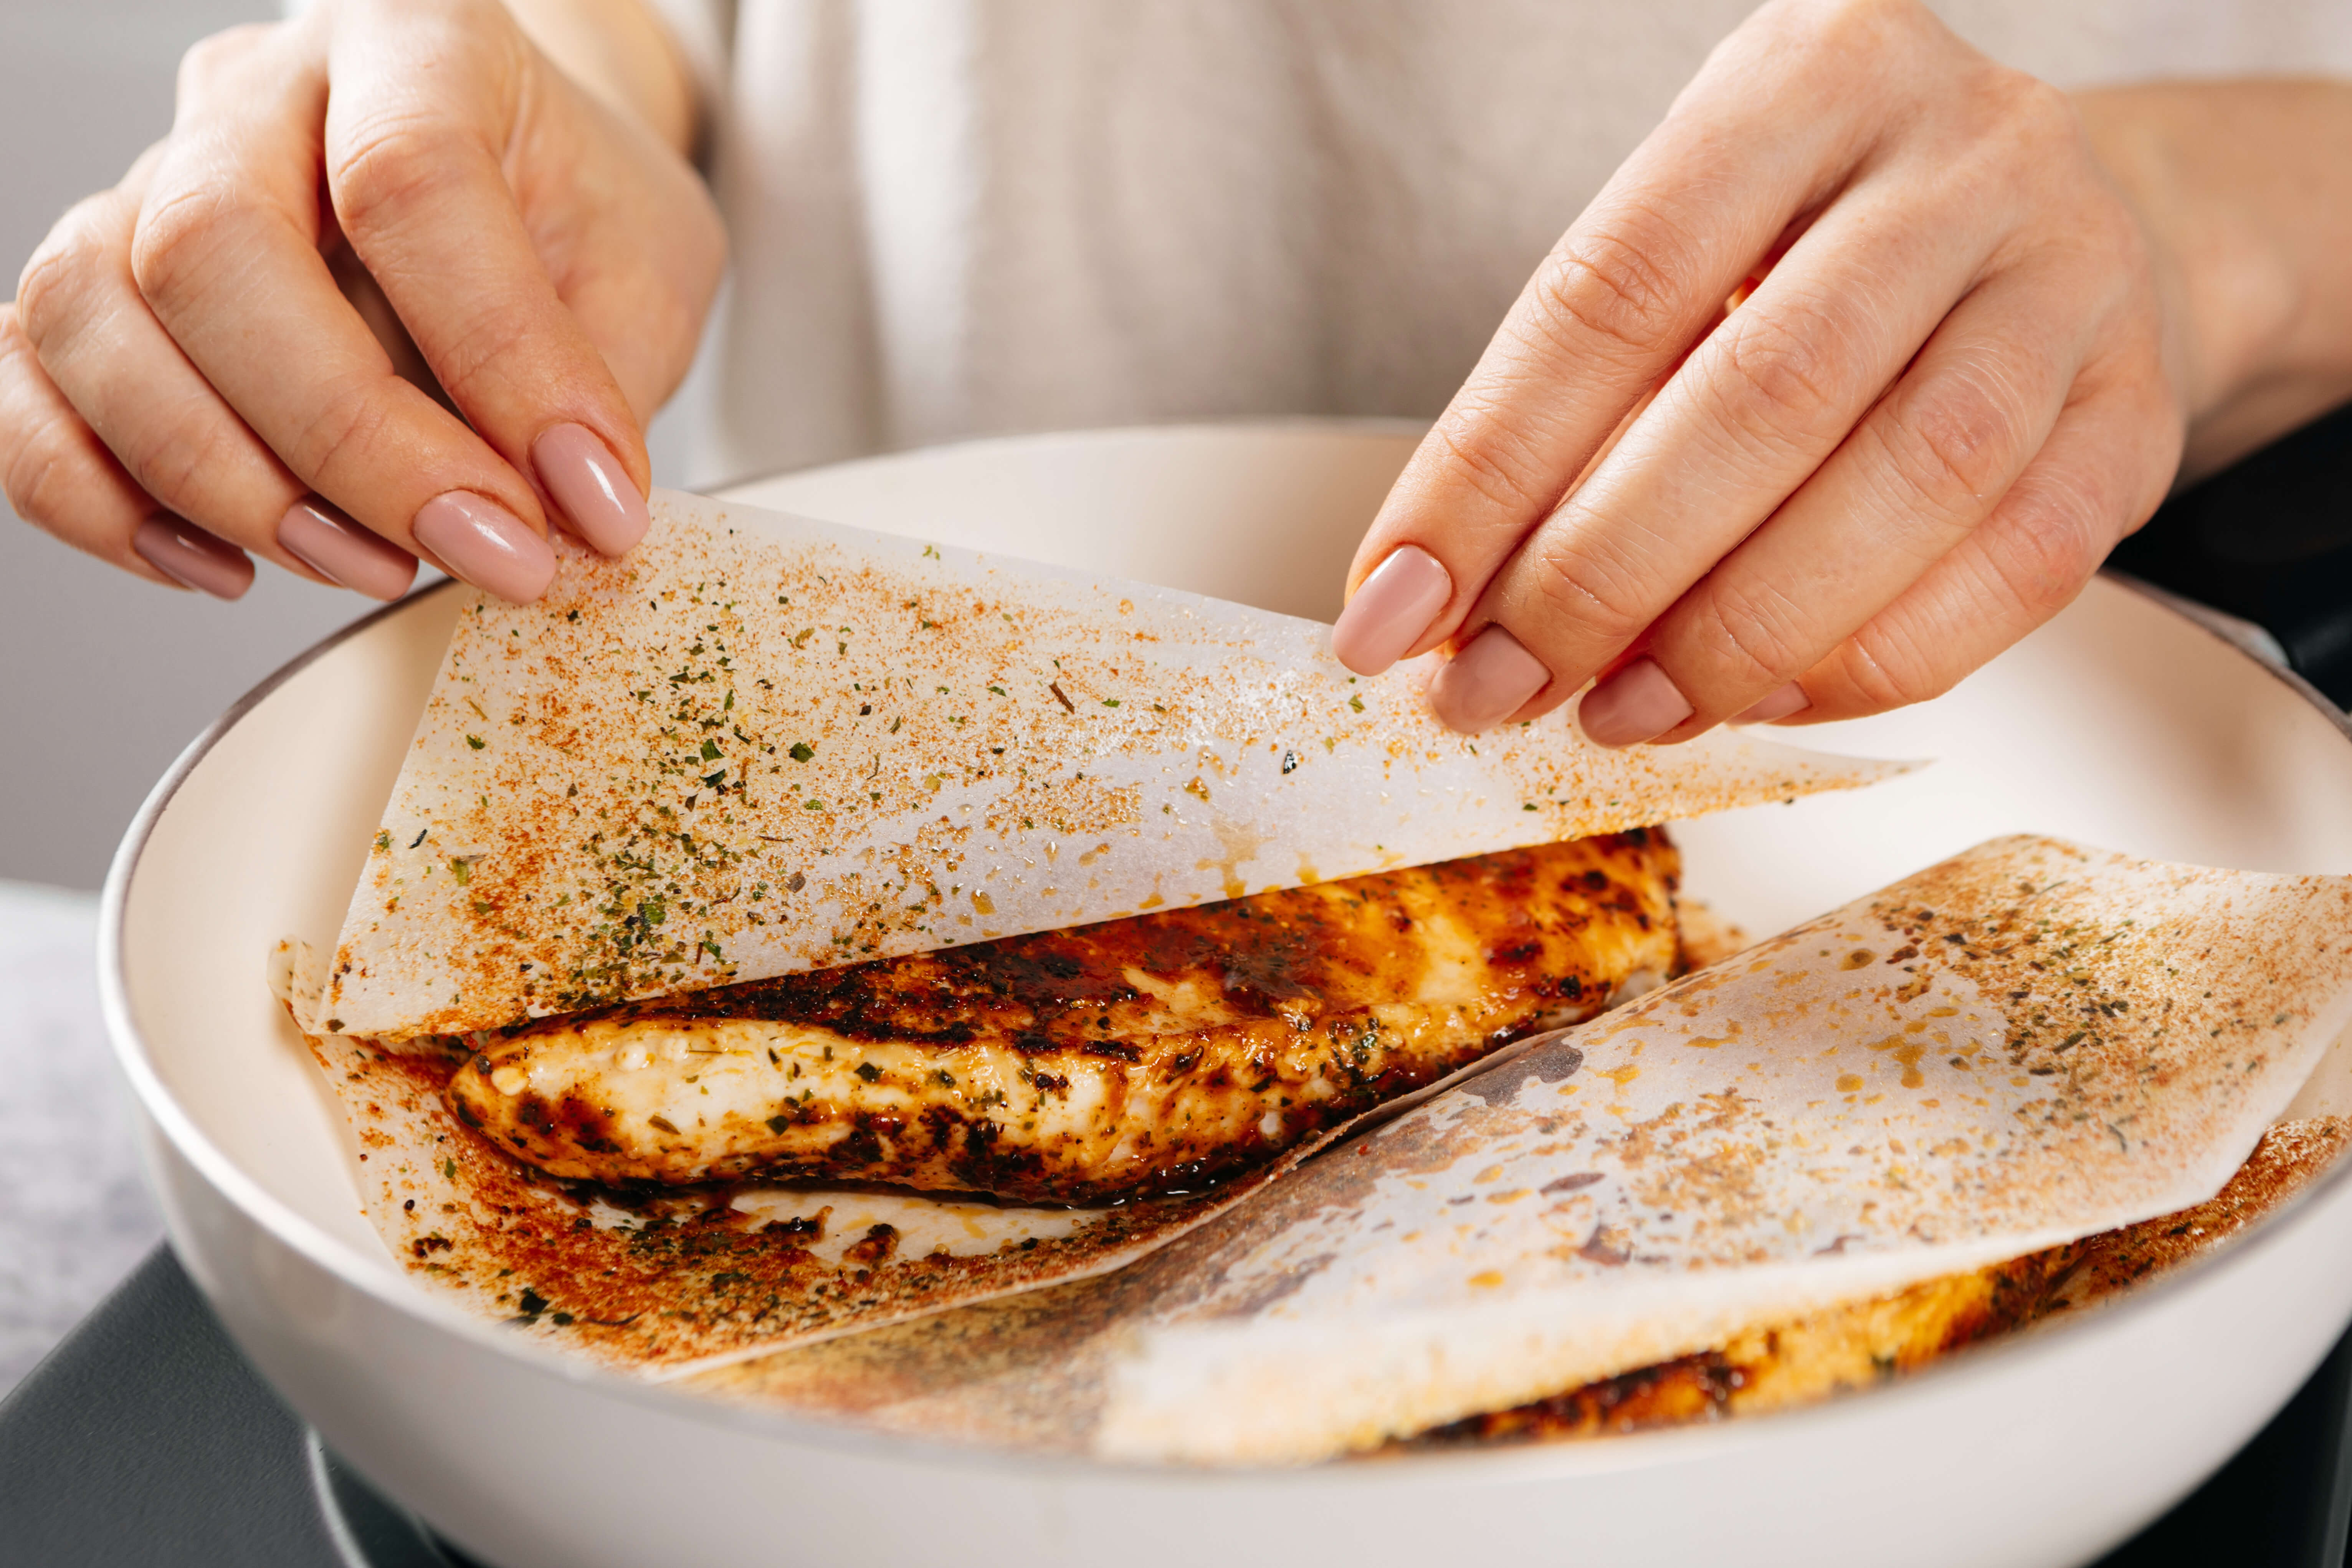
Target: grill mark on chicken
{"points": [[1145, 1055]]}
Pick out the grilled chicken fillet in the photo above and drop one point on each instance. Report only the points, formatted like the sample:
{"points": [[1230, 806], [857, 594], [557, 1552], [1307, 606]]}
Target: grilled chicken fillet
{"points": [[1137, 1056]]}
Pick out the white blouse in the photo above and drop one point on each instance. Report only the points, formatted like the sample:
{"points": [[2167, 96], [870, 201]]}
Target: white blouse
{"points": [[960, 217]]}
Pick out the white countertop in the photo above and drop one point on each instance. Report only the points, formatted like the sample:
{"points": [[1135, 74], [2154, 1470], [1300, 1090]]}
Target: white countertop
{"points": [[75, 1212]]}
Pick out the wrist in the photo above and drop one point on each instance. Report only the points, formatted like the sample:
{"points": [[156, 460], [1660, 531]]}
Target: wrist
{"points": [[2244, 230]]}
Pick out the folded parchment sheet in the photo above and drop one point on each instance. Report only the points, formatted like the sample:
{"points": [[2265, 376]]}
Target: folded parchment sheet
{"points": [[761, 744], [2031, 1043]]}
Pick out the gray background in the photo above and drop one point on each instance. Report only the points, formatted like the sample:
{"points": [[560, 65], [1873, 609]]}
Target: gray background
{"points": [[106, 678]]}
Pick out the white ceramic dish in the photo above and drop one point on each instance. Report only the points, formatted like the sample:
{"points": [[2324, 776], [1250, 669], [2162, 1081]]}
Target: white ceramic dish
{"points": [[2122, 723]]}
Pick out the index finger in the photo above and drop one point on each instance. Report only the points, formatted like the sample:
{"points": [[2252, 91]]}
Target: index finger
{"points": [[1637, 279], [422, 186], [226, 256]]}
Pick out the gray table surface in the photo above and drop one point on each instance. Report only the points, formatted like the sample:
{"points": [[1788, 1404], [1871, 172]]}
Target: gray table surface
{"points": [[74, 1214]]}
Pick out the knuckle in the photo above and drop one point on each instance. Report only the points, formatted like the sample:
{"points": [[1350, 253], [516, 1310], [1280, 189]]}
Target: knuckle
{"points": [[2037, 113], [1785, 382], [1618, 288], [484, 346], [389, 163], [209, 58], [1574, 585], [340, 439], [45, 469], [172, 458], [1955, 445], [1887, 667], [1752, 639], [1483, 451], [176, 237], [56, 282], [1836, 33], [2055, 538]]}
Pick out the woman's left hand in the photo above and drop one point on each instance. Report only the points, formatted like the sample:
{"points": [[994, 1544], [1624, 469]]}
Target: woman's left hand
{"points": [[1955, 387]]}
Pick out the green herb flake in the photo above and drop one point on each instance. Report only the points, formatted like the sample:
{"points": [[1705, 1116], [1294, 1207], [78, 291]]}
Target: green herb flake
{"points": [[449, 1168], [801, 750], [461, 870], [869, 1071], [475, 742], [710, 751], [1357, 703]]}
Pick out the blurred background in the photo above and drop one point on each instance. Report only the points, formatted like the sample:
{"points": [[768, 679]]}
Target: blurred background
{"points": [[106, 678]]}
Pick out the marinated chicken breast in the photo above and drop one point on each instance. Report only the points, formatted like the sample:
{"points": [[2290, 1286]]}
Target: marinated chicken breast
{"points": [[1137, 1056], [1864, 1343]]}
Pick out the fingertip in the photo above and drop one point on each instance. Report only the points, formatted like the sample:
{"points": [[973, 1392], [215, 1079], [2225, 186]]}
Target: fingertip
{"points": [[1785, 703], [1640, 702], [194, 558], [591, 486], [1491, 679], [489, 546], [1393, 611], [328, 542]]}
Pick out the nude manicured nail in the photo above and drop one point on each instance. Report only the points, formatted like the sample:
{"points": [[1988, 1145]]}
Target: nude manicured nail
{"points": [[588, 482], [1790, 699], [486, 544], [194, 558], [1392, 611], [1486, 682], [1637, 703], [343, 552]]}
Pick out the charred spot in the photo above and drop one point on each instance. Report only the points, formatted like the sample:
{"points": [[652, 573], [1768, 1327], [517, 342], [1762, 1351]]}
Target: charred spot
{"points": [[874, 1247], [861, 1146], [812, 1227], [1514, 953]]}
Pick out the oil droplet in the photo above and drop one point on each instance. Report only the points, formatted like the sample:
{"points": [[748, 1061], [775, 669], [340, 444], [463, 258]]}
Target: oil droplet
{"points": [[984, 903], [1849, 1082], [1858, 957], [1487, 1279], [1197, 788]]}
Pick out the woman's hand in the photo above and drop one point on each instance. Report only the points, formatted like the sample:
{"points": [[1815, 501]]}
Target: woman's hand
{"points": [[1958, 382], [394, 286]]}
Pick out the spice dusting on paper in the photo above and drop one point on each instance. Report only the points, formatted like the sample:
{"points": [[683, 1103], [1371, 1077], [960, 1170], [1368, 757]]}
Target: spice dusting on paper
{"points": [[760, 745]]}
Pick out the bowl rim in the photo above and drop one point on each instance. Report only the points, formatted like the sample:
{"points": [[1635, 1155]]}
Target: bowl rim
{"points": [[1661, 1447]]}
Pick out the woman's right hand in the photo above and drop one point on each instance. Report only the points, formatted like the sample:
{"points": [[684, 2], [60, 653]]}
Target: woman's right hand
{"points": [[393, 286]]}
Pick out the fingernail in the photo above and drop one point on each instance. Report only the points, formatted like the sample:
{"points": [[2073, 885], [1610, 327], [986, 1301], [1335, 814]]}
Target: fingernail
{"points": [[343, 552], [486, 544], [1392, 611], [588, 482], [1790, 699], [1636, 704], [194, 558], [1486, 682]]}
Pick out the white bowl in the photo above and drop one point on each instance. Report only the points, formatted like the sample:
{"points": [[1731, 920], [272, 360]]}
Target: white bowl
{"points": [[2122, 723]]}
